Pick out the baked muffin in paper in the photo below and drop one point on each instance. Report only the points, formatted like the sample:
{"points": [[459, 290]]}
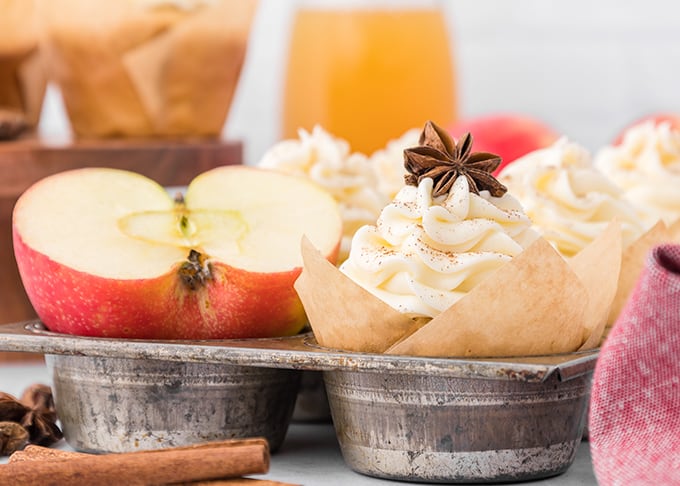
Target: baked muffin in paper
{"points": [[147, 68]]}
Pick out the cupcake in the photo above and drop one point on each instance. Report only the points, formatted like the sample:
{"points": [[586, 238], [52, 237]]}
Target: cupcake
{"points": [[406, 259], [646, 165], [567, 199], [452, 267], [147, 68], [22, 74], [346, 176], [388, 163]]}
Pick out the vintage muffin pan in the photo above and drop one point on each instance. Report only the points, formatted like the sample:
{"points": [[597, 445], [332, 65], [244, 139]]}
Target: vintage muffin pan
{"points": [[399, 417]]}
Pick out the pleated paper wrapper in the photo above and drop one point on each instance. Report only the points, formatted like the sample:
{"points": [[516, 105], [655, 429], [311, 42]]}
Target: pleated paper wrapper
{"points": [[536, 304], [147, 68], [633, 261], [23, 76]]}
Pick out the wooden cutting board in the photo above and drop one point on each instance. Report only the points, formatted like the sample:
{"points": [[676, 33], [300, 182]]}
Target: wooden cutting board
{"points": [[25, 161]]}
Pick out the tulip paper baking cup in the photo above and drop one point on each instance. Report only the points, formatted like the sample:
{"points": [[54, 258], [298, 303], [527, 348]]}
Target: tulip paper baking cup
{"points": [[675, 231], [536, 304], [166, 70], [22, 72], [633, 260]]}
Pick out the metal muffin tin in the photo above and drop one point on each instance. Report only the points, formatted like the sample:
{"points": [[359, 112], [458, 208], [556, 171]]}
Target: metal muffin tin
{"points": [[400, 417], [120, 404]]}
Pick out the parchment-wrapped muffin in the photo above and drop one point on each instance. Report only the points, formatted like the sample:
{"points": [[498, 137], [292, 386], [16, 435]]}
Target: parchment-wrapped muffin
{"points": [[147, 67], [452, 268], [22, 73]]}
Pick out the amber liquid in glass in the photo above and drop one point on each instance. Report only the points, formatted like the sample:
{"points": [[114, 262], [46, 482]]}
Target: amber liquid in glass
{"points": [[368, 75]]}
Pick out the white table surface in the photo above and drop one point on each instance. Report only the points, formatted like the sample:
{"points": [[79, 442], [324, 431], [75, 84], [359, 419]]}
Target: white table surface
{"points": [[310, 454]]}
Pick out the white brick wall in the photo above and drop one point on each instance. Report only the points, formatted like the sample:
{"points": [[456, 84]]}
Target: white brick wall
{"points": [[586, 66]]}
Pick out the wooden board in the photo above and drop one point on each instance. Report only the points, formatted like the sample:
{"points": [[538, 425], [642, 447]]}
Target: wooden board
{"points": [[23, 162]]}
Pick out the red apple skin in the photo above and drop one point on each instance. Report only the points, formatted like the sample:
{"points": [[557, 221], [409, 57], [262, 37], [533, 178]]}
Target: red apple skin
{"points": [[508, 135], [657, 118], [235, 304]]}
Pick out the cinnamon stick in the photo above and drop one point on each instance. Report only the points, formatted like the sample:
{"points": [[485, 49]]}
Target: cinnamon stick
{"points": [[39, 453], [34, 452], [239, 482], [204, 462]]}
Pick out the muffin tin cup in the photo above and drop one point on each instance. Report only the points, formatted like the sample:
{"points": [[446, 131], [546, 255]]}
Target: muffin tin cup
{"points": [[443, 429], [121, 405]]}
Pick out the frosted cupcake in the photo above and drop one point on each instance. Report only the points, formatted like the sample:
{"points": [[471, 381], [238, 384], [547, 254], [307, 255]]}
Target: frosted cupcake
{"points": [[569, 201], [346, 176], [453, 268], [388, 163], [442, 234], [646, 165]]}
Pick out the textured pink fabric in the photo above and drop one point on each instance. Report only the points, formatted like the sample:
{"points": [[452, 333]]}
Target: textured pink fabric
{"points": [[635, 404]]}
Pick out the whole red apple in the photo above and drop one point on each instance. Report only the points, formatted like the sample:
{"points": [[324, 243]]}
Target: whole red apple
{"points": [[657, 118], [508, 135], [104, 252]]}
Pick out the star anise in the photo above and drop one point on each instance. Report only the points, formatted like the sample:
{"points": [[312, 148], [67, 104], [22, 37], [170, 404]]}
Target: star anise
{"points": [[13, 437], [441, 159], [41, 418], [34, 413]]}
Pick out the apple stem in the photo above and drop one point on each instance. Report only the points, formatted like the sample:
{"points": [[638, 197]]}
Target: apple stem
{"points": [[195, 271]]}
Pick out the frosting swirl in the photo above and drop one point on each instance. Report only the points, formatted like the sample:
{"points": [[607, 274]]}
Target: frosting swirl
{"points": [[348, 177], [425, 253], [388, 163], [569, 201], [647, 166]]}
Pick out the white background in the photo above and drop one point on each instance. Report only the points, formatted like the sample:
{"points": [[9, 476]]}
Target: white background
{"points": [[587, 67]]}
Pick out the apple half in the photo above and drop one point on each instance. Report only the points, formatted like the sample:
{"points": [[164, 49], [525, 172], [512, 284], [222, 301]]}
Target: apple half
{"points": [[105, 252]]}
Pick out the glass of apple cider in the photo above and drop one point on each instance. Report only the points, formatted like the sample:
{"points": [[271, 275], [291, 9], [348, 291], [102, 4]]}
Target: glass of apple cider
{"points": [[367, 71]]}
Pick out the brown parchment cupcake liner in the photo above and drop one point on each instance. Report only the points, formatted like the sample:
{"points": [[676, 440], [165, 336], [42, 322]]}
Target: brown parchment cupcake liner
{"points": [[536, 304]]}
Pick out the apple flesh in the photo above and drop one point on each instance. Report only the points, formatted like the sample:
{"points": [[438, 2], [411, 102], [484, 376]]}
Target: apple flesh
{"points": [[657, 118], [105, 252], [508, 135]]}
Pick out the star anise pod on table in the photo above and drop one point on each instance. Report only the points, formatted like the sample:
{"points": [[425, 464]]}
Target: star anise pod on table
{"points": [[13, 437], [442, 160], [41, 418], [35, 417]]}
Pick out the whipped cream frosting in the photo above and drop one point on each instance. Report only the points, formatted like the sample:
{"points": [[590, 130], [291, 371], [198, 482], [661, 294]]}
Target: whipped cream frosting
{"points": [[348, 177], [568, 200], [388, 163], [647, 167], [425, 253]]}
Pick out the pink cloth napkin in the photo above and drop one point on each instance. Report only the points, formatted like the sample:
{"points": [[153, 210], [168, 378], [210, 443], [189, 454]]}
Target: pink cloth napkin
{"points": [[635, 405]]}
